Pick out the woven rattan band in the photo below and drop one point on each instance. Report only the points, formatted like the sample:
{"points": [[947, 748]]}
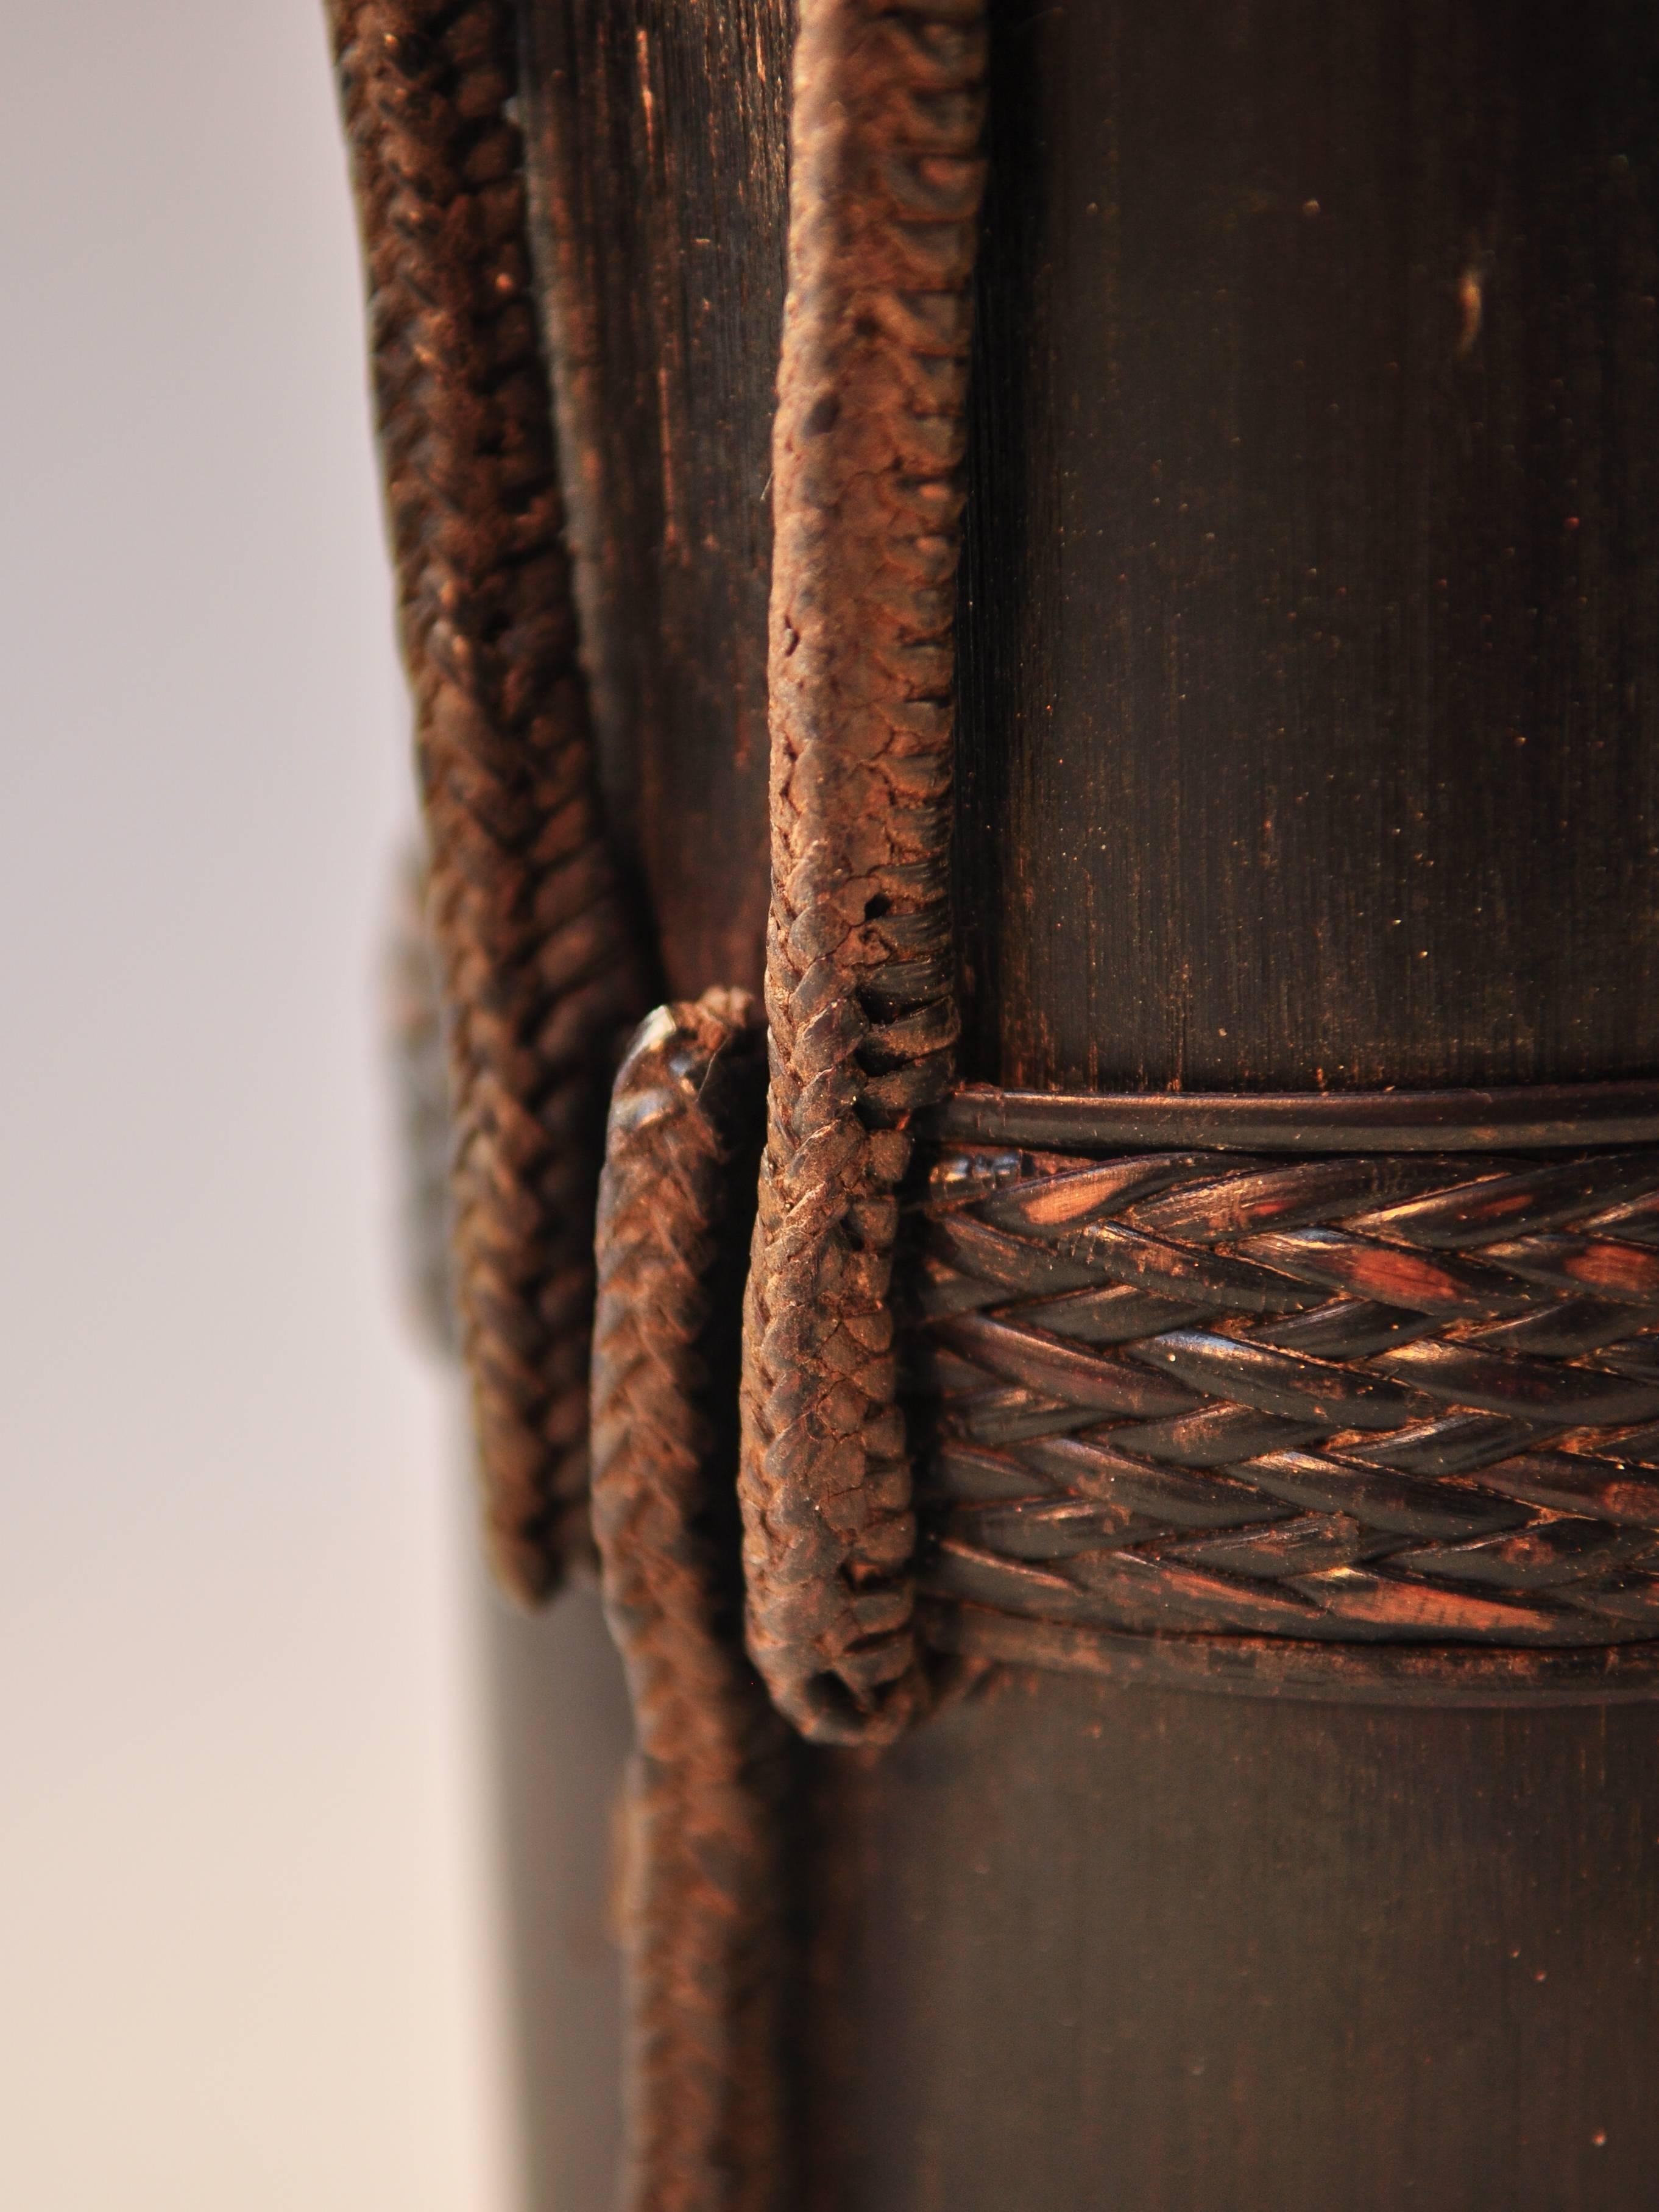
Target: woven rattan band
{"points": [[1352, 1396]]}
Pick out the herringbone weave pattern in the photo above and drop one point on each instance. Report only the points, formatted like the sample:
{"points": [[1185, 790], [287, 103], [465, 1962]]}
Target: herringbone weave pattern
{"points": [[1370, 1398]]}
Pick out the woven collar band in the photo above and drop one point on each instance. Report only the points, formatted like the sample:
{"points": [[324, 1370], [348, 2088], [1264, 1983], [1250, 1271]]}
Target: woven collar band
{"points": [[1336, 1395]]}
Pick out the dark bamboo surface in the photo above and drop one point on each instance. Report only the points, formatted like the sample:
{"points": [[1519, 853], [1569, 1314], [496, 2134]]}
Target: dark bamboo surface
{"points": [[1311, 656], [657, 133], [561, 1733], [1311, 684], [1157, 1952]]}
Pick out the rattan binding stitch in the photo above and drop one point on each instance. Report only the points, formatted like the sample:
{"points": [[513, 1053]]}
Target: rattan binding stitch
{"points": [[540, 975], [1401, 1398], [885, 182], [707, 1921]]}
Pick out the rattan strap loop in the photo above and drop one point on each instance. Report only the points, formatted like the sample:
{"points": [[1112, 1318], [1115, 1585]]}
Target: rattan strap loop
{"points": [[707, 1935], [885, 189]]}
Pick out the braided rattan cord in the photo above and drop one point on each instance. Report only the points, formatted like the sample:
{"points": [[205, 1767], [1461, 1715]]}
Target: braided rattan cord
{"points": [[708, 1946], [1369, 1399], [541, 979], [885, 188]]}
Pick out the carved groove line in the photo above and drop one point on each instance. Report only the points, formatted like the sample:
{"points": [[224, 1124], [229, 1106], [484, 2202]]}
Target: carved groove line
{"points": [[541, 978], [1372, 1398], [885, 182]]}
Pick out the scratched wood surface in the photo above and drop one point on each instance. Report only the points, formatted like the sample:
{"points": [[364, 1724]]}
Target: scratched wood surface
{"points": [[1312, 647]]}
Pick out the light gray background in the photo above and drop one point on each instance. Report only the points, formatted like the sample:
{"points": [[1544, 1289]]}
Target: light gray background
{"points": [[247, 1959]]}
